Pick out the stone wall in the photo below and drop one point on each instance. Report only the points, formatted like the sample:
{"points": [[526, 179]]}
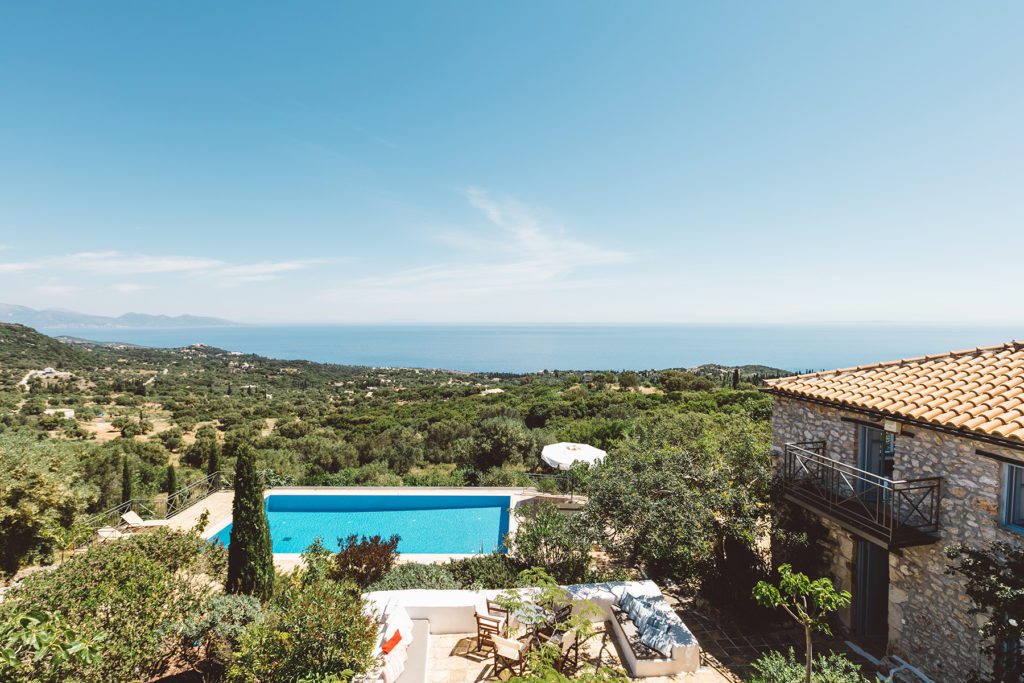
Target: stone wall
{"points": [[929, 623]]}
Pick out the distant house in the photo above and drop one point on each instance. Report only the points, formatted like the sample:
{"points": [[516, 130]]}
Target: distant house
{"points": [[66, 413], [900, 460]]}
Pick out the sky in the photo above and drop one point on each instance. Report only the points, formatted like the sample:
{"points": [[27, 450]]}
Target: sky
{"points": [[475, 162]]}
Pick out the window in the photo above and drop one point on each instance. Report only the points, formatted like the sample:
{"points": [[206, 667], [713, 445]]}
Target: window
{"points": [[1013, 500]]}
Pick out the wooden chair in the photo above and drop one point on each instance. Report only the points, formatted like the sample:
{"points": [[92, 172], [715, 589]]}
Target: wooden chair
{"points": [[552, 627], [496, 610], [487, 627], [509, 655], [569, 647]]}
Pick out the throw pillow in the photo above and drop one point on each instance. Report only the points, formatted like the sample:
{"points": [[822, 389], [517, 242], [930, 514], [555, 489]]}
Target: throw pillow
{"points": [[392, 642], [657, 640]]}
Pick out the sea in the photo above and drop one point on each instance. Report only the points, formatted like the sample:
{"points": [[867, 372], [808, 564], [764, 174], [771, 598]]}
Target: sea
{"points": [[531, 348]]}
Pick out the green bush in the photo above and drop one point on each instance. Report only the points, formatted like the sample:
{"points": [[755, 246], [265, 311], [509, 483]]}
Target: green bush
{"points": [[404, 576], [557, 542], [504, 476], [209, 637], [364, 560], [775, 667], [485, 572], [37, 646], [133, 593], [320, 630]]}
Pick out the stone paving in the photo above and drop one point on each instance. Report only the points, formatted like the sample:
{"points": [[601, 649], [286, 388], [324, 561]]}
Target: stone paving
{"points": [[730, 649], [454, 659], [727, 652], [218, 504]]}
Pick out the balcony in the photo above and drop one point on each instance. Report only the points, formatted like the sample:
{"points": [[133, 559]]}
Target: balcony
{"points": [[890, 513]]}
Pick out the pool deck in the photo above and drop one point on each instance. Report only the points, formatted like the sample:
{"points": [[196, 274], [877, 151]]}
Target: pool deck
{"points": [[219, 507]]}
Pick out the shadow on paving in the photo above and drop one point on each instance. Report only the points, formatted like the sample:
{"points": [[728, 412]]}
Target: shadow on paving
{"points": [[731, 650]]}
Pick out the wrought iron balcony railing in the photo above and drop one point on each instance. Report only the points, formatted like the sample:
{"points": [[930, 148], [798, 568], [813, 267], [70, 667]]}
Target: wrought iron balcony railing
{"points": [[893, 513]]}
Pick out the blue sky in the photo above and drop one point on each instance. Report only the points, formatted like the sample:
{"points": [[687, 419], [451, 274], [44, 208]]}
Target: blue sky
{"points": [[514, 162]]}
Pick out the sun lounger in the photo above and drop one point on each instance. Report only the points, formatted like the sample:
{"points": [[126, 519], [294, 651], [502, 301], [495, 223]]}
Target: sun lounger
{"points": [[109, 533], [135, 522]]}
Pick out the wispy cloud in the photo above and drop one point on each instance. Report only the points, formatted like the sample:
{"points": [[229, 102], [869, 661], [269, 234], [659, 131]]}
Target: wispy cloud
{"points": [[524, 249], [128, 287], [118, 264], [17, 267]]}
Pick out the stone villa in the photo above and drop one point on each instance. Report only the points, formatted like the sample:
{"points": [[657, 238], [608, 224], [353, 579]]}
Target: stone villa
{"points": [[900, 460]]}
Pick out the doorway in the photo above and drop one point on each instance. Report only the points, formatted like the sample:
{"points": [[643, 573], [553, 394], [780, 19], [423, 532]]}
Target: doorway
{"points": [[871, 592]]}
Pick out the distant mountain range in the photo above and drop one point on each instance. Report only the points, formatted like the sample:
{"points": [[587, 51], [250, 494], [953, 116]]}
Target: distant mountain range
{"points": [[52, 318]]}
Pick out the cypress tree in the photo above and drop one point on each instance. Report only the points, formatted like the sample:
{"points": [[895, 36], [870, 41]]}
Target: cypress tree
{"points": [[172, 479], [126, 480], [213, 457], [735, 378], [250, 557]]}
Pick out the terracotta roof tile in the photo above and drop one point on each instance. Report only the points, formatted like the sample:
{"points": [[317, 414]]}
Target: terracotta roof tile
{"points": [[980, 390]]}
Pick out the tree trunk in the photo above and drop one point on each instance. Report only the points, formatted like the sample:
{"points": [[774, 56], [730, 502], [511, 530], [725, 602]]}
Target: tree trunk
{"points": [[809, 660]]}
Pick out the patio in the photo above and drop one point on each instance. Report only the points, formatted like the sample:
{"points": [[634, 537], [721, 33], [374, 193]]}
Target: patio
{"points": [[453, 658], [727, 652]]}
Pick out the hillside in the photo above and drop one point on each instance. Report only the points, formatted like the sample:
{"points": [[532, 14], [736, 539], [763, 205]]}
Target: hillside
{"points": [[32, 317], [23, 347]]}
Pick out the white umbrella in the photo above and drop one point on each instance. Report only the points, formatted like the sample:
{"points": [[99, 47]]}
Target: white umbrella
{"points": [[563, 455]]}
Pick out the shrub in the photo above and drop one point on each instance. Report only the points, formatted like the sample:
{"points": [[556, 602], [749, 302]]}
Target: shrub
{"points": [[35, 647], [208, 638], [809, 603], [364, 560], [554, 541], [485, 572], [542, 668], [322, 629], [775, 667], [504, 476], [413, 575], [135, 592]]}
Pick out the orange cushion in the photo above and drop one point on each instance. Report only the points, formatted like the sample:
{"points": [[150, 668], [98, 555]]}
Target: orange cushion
{"points": [[391, 643]]}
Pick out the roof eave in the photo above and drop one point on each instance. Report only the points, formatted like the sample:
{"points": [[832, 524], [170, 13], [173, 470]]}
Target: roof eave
{"points": [[903, 419]]}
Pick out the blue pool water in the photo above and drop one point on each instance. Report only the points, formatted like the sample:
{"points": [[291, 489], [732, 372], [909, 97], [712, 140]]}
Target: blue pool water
{"points": [[426, 524]]}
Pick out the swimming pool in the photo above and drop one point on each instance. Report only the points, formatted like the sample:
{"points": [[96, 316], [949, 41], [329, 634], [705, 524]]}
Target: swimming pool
{"points": [[426, 524]]}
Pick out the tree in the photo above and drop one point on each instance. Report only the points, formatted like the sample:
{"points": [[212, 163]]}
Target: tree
{"points": [[171, 438], [205, 450], [213, 457], [709, 475], [629, 380], [126, 480], [171, 484], [995, 583], [735, 378], [676, 380], [38, 498], [499, 441], [250, 555], [808, 602]]}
